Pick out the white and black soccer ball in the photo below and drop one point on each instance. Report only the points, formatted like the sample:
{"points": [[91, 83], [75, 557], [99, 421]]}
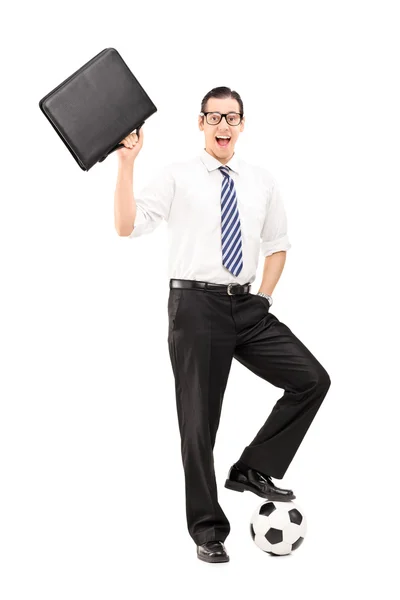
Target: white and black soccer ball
{"points": [[278, 527]]}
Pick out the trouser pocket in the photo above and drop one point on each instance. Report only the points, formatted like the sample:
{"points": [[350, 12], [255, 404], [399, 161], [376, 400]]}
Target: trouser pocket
{"points": [[264, 301], [174, 300]]}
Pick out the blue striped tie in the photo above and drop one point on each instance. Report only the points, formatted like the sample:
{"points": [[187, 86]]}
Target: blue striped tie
{"points": [[230, 225]]}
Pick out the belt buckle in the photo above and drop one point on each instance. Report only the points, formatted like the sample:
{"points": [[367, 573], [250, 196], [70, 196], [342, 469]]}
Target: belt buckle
{"points": [[229, 289]]}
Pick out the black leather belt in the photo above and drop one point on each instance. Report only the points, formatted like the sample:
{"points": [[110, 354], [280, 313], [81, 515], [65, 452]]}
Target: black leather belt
{"points": [[230, 288]]}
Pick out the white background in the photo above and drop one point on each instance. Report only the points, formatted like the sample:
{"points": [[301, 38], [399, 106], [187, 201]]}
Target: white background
{"points": [[92, 489]]}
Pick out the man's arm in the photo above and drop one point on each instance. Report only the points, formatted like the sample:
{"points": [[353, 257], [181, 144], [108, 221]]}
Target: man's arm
{"points": [[274, 241], [124, 202], [135, 216], [273, 267]]}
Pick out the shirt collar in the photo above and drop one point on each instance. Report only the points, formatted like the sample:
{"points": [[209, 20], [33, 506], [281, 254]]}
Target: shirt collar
{"points": [[213, 163]]}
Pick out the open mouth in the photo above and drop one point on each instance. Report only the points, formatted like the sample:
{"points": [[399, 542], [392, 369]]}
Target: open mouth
{"points": [[223, 141]]}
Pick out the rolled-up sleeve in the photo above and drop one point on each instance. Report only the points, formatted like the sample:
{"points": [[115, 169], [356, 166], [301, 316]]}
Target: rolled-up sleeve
{"points": [[274, 235], [153, 203]]}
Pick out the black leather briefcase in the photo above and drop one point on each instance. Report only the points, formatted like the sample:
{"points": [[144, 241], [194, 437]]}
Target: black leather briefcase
{"points": [[96, 107]]}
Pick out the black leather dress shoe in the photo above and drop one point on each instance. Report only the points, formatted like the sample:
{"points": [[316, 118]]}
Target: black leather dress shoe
{"points": [[213, 552], [241, 479]]}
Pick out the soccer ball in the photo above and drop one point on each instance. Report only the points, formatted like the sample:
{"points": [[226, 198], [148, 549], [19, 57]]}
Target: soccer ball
{"points": [[278, 527]]}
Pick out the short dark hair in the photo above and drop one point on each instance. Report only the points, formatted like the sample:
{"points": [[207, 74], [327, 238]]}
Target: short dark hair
{"points": [[221, 92]]}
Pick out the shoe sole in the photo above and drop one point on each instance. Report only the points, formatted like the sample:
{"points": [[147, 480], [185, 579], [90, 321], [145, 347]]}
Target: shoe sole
{"points": [[215, 559], [242, 487]]}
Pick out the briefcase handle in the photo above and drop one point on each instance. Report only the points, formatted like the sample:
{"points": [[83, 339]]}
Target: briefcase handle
{"points": [[120, 145]]}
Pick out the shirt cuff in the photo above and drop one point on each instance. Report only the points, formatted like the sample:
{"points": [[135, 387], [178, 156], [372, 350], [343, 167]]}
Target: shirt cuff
{"points": [[140, 223], [282, 243]]}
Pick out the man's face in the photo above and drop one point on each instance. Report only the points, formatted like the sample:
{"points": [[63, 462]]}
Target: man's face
{"points": [[222, 151]]}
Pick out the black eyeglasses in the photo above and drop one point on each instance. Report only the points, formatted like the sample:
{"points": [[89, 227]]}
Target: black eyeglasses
{"points": [[213, 118]]}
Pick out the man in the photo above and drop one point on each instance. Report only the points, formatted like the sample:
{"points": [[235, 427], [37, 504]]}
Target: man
{"points": [[221, 211]]}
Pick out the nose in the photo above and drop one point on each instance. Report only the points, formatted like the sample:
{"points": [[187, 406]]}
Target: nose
{"points": [[226, 130]]}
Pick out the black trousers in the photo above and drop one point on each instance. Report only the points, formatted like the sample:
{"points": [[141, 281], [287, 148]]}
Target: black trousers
{"points": [[207, 329]]}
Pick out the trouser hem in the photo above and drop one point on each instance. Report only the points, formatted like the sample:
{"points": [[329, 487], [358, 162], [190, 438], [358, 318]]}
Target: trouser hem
{"points": [[211, 536], [261, 465]]}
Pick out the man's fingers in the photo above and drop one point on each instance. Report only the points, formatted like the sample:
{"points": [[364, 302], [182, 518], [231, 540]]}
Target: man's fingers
{"points": [[130, 140]]}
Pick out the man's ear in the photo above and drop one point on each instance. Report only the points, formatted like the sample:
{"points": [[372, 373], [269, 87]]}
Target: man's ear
{"points": [[201, 124]]}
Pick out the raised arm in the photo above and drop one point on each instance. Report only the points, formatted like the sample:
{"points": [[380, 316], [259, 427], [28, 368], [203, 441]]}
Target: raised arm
{"points": [[141, 214], [124, 202]]}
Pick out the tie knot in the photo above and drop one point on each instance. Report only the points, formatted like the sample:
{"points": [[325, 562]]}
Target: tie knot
{"points": [[224, 170]]}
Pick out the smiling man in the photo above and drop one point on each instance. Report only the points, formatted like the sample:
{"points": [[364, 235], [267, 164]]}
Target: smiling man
{"points": [[221, 129], [222, 212]]}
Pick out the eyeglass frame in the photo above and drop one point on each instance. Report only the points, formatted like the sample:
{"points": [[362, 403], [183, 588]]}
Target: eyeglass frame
{"points": [[213, 112]]}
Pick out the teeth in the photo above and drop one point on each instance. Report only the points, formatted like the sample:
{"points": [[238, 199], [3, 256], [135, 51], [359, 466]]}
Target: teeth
{"points": [[223, 137]]}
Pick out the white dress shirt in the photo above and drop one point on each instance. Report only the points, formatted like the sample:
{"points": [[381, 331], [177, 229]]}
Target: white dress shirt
{"points": [[187, 195]]}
